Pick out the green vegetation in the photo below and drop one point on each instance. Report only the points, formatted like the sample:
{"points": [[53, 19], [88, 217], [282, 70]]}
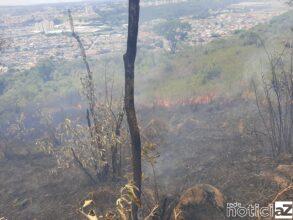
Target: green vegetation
{"points": [[220, 66], [174, 31], [48, 82]]}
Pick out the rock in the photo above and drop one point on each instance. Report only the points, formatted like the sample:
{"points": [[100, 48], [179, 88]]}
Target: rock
{"points": [[201, 202]]}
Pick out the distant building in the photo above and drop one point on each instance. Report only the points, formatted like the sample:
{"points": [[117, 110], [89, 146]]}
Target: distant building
{"points": [[3, 69], [147, 3], [44, 26], [88, 10]]}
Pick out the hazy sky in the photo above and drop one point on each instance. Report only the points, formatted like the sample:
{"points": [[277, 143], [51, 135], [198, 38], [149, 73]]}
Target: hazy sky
{"points": [[30, 2]]}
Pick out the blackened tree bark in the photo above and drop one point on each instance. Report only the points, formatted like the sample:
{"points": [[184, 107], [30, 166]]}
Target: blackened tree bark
{"points": [[129, 60]]}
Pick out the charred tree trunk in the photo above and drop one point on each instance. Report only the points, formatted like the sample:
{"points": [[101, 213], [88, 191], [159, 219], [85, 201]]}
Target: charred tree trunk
{"points": [[129, 60]]}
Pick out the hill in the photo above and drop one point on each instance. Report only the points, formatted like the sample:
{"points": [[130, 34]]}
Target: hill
{"points": [[204, 141], [222, 67]]}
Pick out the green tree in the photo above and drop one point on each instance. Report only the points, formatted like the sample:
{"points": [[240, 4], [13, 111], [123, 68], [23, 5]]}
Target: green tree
{"points": [[46, 69], [174, 31]]}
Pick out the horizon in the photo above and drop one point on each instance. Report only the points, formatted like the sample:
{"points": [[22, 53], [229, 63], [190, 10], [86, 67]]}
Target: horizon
{"points": [[4, 3]]}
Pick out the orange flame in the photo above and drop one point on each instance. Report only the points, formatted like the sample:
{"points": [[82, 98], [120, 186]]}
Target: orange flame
{"points": [[199, 100]]}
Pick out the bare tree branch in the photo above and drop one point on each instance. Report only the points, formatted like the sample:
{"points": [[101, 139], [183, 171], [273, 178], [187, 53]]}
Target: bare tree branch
{"points": [[276, 108], [80, 165]]}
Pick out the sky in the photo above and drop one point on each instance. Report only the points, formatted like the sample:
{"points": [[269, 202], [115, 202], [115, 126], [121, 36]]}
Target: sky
{"points": [[31, 2]]}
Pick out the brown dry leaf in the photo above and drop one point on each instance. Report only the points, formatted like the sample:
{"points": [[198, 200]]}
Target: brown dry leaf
{"points": [[122, 214], [132, 194], [87, 203], [90, 216]]}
